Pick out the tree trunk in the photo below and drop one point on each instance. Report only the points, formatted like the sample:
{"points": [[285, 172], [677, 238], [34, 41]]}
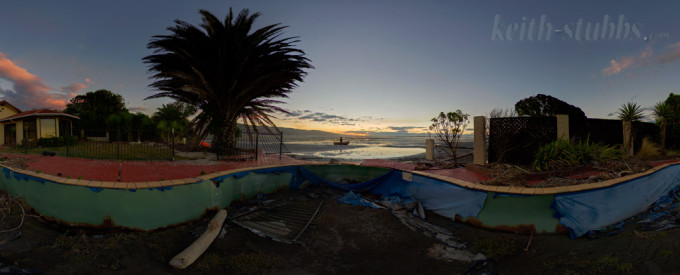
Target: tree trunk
{"points": [[225, 140], [627, 138], [663, 134]]}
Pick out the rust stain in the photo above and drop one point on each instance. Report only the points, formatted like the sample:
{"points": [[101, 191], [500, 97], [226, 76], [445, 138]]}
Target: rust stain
{"points": [[517, 229], [560, 228], [109, 225]]}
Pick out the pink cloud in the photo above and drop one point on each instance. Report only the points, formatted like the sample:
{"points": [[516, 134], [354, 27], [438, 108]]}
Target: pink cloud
{"points": [[73, 88], [30, 91], [618, 65], [671, 56], [645, 57]]}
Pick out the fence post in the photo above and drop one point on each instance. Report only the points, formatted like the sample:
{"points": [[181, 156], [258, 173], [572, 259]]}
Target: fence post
{"points": [[281, 145], [217, 152], [68, 139], [478, 147], [257, 144], [429, 149], [25, 143], [118, 144], [172, 146], [563, 127]]}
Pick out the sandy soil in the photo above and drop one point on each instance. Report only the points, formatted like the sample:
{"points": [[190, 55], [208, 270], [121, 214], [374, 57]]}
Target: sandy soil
{"points": [[343, 239]]}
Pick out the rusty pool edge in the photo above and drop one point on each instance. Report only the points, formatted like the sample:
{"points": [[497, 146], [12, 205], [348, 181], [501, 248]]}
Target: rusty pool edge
{"points": [[520, 190]]}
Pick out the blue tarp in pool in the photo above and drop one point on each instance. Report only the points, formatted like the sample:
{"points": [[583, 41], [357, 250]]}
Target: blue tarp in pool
{"points": [[599, 208]]}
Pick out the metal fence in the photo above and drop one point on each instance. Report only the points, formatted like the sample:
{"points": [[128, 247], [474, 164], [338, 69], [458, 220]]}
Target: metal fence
{"points": [[149, 145], [248, 147], [112, 144]]}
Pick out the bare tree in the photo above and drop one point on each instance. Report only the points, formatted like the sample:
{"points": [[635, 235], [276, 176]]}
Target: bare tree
{"points": [[449, 128]]}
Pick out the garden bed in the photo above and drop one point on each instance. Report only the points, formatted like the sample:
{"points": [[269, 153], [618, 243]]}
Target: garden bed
{"points": [[511, 175]]}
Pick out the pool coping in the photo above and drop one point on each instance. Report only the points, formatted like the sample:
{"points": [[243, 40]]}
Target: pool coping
{"points": [[519, 190]]}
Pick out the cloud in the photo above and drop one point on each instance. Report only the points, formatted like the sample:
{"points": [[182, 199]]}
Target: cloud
{"points": [[645, 57], [29, 90], [322, 118], [73, 89], [618, 65], [294, 114], [403, 129], [359, 132], [136, 109], [671, 56]]}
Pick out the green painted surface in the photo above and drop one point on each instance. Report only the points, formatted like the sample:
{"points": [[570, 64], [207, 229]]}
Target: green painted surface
{"points": [[144, 209], [149, 209], [514, 210], [340, 173]]}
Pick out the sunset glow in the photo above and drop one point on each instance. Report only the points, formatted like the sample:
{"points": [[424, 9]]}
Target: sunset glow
{"points": [[391, 68]]}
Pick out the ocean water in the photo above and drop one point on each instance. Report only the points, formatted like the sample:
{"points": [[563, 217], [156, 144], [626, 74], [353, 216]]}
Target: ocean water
{"points": [[359, 148]]}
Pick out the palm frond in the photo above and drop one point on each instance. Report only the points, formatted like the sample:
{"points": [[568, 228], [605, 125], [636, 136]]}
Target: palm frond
{"points": [[630, 111]]}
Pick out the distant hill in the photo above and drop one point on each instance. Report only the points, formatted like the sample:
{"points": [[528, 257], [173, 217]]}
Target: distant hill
{"points": [[292, 133]]}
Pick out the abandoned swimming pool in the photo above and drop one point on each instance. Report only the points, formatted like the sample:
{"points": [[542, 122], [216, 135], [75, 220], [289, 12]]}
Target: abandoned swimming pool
{"points": [[149, 206]]}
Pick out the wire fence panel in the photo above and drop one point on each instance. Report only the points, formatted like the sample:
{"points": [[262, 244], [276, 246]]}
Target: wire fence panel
{"points": [[121, 150], [109, 144], [121, 144], [517, 139], [248, 146]]}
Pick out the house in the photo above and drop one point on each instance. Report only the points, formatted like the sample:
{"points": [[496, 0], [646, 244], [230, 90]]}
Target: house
{"points": [[16, 125]]}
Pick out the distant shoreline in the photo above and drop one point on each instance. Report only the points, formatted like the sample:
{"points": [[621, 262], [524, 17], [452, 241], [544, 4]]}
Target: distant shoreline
{"points": [[440, 154]]}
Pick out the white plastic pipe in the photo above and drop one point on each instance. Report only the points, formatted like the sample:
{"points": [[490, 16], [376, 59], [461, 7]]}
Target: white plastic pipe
{"points": [[196, 249]]}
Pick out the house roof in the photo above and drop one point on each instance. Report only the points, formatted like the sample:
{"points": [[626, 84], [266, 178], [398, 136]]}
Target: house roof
{"points": [[5, 103], [38, 113]]}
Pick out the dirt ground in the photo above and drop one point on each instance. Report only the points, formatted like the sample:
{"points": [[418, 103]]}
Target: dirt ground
{"points": [[343, 239]]}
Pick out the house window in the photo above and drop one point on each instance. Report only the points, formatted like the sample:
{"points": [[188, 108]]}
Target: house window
{"points": [[48, 128], [64, 127], [11, 134], [30, 131]]}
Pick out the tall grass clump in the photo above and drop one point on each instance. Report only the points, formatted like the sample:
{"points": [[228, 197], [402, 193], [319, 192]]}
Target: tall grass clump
{"points": [[649, 149], [563, 153]]}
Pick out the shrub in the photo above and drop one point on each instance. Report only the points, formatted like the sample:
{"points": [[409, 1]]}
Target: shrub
{"points": [[563, 153], [57, 141]]}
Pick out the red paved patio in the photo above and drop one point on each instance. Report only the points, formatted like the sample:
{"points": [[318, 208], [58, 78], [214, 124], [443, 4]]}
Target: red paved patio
{"points": [[457, 173], [138, 171]]}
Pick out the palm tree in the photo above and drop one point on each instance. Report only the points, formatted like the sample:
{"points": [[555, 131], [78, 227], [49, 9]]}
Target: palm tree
{"points": [[629, 113], [662, 111], [227, 71], [173, 117]]}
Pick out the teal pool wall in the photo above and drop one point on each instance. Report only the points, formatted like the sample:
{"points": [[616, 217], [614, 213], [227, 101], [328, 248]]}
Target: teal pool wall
{"points": [[143, 208]]}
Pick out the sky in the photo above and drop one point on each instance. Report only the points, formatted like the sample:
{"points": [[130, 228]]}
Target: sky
{"points": [[380, 66]]}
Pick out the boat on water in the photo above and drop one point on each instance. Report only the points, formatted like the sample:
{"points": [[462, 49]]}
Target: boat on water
{"points": [[341, 142]]}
